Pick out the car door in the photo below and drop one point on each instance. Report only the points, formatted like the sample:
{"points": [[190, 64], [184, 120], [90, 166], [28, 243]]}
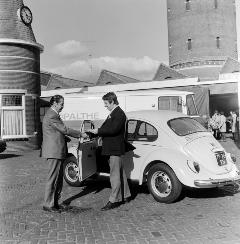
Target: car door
{"points": [[87, 153], [142, 135]]}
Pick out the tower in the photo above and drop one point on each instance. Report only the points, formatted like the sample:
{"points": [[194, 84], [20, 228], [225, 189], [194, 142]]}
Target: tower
{"points": [[19, 74], [201, 36]]}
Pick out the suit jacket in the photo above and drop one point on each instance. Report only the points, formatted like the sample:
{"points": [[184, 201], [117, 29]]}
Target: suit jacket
{"points": [[54, 131], [112, 132]]}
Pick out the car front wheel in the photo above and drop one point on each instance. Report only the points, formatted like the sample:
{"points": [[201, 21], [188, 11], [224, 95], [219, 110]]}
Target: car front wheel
{"points": [[71, 171], [163, 184]]}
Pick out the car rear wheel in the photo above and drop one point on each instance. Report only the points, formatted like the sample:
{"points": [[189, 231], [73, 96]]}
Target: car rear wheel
{"points": [[71, 171], [163, 184]]}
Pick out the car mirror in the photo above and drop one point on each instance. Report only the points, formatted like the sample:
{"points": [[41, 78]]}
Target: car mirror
{"points": [[86, 125]]}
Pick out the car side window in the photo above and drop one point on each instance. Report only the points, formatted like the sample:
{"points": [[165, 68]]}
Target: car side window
{"points": [[146, 132], [141, 131], [131, 128]]}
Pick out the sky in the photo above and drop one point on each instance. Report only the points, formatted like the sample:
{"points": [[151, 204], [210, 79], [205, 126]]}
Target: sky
{"points": [[83, 37]]}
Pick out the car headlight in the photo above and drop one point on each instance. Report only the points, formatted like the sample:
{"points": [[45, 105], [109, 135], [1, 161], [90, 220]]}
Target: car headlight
{"points": [[194, 166]]}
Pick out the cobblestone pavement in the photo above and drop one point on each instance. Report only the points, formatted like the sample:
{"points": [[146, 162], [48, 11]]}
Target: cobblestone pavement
{"points": [[201, 216]]}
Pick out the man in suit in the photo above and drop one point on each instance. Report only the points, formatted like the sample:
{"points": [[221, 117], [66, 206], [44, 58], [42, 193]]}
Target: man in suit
{"points": [[112, 132], [54, 149]]}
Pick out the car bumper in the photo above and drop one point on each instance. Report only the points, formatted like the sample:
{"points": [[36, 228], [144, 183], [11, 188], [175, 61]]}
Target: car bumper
{"points": [[216, 183]]}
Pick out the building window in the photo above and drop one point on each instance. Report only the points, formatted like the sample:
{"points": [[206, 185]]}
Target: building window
{"points": [[11, 100], [187, 5], [189, 44], [12, 115], [218, 42], [215, 3]]}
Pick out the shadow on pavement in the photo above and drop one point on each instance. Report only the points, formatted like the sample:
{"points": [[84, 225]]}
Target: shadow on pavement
{"points": [[97, 185], [76, 210], [8, 155], [229, 190], [90, 186], [136, 189]]}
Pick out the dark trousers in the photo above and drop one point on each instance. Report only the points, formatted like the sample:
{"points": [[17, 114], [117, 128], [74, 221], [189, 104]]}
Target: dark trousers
{"points": [[118, 180], [54, 182]]}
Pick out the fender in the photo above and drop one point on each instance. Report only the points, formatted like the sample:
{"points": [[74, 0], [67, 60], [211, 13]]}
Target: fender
{"points": [[73, 150], [175, 159]]}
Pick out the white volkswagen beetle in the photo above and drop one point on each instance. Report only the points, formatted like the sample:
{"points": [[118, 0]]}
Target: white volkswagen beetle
{"points": [[172, 150]]}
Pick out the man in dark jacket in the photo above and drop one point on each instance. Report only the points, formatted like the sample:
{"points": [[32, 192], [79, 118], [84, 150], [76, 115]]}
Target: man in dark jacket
{"points": [[112, 132], [54, 149]]}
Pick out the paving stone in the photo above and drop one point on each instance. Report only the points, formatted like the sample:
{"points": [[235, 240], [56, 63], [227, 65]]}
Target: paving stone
{"points": [[202, 216], [142, 241]]}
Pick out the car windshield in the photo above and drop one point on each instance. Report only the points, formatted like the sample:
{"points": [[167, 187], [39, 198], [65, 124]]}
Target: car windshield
{"points": [[185, 126]]}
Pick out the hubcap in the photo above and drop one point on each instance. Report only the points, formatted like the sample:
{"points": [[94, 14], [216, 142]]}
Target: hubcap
{"points": [[72, 172], [161, 184]]}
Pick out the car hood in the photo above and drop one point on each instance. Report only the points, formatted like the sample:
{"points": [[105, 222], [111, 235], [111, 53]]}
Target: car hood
{"points": [[203, 150]]}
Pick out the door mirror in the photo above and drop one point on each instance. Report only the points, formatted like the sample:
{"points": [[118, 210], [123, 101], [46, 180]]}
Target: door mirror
{"points": [[86, 125]]}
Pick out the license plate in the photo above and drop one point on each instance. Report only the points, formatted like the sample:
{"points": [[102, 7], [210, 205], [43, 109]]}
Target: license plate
{"points": [[221, 158]]}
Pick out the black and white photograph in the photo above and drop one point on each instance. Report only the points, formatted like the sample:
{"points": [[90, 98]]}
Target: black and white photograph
{"points": [[119, 122]]}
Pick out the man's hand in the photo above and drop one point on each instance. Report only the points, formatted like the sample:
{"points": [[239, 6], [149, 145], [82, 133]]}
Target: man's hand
{"points": [[84, 135], [93, 131]]}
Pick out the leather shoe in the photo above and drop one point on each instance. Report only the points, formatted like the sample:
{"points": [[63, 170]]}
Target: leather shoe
{"points": [[110, 205], [127, 200], [63, 207], [52, 209]]}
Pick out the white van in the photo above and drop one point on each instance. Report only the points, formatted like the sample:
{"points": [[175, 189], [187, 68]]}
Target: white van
{"points": [[89, 106]]}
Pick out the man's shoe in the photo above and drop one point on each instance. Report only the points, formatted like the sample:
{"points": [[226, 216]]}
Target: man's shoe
{"points": [[110, 205], [127, 200], [52, 210], [63, 207]]}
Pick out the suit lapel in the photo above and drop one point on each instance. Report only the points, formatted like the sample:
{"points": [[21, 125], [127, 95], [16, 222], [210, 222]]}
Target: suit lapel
{"points": [[114, 111]]}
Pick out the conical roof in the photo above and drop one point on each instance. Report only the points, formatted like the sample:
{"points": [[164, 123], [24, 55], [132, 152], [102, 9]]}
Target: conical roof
{"points": [[108, 77], [166, 73], [11, 26]]}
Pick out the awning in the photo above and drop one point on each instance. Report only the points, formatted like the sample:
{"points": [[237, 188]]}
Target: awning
{"points": [[223, 88]]}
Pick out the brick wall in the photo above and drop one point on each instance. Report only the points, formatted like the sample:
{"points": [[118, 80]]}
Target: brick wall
{"points": [[202, 24], [20, 68], [20, 63], [10, 24]]}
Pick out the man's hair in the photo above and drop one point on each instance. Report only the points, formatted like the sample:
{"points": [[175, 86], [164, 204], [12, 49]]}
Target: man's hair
{"points": [[55, 98], [110, 97]]}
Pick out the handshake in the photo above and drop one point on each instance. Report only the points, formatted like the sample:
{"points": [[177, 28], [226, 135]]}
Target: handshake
{"points": [[90, 133]]}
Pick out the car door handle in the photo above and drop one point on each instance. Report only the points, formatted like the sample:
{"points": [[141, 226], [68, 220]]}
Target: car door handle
{"points": [[89, 155]]}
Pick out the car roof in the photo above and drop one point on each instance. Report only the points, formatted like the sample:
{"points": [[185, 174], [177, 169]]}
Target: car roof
{"points": [[151, 92], [154, 92], [155, 116]]}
